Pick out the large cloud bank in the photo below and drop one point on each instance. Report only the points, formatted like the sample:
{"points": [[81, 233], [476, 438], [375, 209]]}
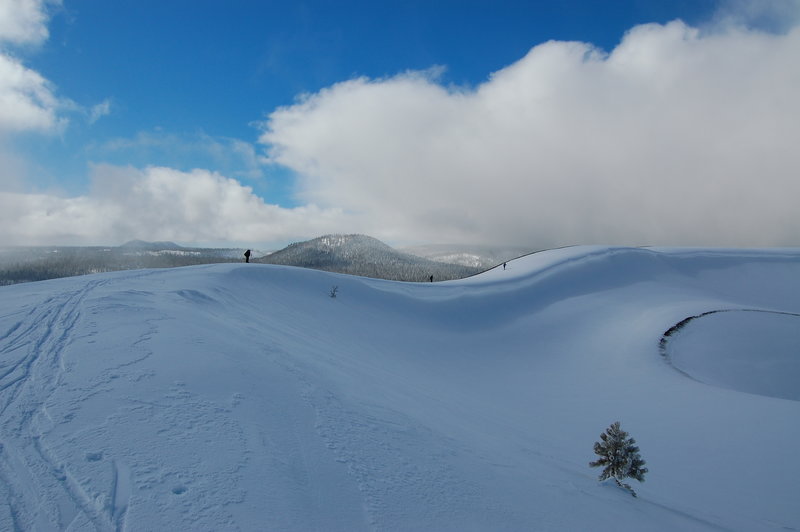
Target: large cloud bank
{"points": [[158, 204], [676, 137]]}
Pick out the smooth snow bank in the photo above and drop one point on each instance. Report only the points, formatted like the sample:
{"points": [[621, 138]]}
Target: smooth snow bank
{"points": [[244, 397], [745, 350]]}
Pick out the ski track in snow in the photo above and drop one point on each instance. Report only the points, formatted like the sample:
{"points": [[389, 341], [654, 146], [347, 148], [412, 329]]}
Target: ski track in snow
{"points": [[32, 351]]}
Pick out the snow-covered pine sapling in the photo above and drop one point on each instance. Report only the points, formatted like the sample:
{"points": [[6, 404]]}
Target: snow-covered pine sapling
{"points": [[619, 457], [334, 290]]}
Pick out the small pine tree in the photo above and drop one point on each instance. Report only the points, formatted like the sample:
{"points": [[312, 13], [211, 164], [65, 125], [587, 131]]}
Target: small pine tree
{"points": [[619, 457]]}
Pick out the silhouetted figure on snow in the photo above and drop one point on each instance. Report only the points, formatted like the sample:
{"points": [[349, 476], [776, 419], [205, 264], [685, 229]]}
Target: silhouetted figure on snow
{"points": [[431, 278], [247, 256], [504, 265]]}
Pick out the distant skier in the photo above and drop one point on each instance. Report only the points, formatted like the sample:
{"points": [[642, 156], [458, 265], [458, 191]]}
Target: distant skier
{"points": [[431, 278], [247, 256], [504, 266]]}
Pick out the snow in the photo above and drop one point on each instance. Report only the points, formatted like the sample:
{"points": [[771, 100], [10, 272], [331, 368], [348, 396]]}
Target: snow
{"points": [[243, 397]]}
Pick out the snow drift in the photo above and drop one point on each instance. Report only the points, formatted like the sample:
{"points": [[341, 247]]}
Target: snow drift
{"points": [[244, 397]]}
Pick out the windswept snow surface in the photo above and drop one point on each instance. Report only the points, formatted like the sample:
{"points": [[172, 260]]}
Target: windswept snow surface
{"points": [[244, 397]]}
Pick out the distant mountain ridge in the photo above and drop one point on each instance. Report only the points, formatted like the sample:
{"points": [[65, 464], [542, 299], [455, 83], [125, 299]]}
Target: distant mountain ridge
{"points": [[152, 246], [476, 256], [366, 256], [38, 263]]}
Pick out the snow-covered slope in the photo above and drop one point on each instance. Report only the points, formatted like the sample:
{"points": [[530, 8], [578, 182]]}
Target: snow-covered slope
{"points": [[244, 397]]}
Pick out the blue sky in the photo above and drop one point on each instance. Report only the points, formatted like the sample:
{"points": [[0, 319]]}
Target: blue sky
{"points": [[238, 91]]}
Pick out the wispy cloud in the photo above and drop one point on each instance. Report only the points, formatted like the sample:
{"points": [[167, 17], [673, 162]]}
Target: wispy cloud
{"points": [[676, 136], [774, 16], [98, 111], [233, 157]]}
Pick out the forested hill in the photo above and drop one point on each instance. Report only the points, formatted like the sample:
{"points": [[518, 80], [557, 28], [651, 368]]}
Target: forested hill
{"points": [[365, 256]]}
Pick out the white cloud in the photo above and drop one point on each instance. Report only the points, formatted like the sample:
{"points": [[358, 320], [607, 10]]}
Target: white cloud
{"points": [[24, 22], [675, 137], [27, 99], [157, 203]]}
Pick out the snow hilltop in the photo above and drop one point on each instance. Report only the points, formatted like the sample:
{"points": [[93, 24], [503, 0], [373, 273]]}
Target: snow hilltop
{"points": [[246, 397]]}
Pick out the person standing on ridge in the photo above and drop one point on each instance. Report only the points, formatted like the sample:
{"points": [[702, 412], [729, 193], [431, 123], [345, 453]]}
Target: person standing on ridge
{"points": [[247, 256]]}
